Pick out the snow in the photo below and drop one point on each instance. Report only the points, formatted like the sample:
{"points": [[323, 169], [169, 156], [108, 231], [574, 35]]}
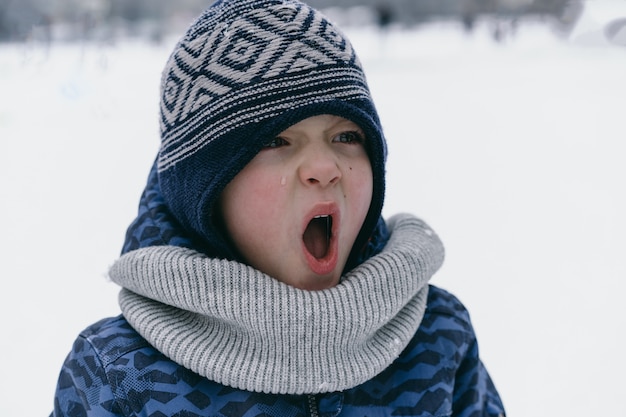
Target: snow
{"points": [[513, 152]]}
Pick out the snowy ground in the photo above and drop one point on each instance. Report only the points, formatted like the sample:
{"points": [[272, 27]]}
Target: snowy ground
{"points": [[513, 152]]}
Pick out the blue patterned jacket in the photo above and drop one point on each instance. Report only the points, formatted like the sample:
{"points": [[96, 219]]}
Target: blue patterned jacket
{"points": [[112, 371]]}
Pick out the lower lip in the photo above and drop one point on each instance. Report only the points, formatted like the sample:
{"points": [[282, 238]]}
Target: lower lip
{"points": [[325, 265]]}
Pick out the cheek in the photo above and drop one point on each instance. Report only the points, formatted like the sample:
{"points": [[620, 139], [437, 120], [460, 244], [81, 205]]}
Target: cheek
{"points": [[251, 211], [360, 185], [249, 201]]}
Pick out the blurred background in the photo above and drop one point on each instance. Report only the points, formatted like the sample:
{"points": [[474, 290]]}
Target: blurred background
{"points": [[108, 20], [505, 124]]}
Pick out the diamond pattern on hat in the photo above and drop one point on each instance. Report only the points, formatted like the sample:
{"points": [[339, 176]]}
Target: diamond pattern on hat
{"points": [[262, 44]]}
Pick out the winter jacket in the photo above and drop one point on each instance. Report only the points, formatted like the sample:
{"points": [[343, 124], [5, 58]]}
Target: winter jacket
{"points": [[113, 371]]}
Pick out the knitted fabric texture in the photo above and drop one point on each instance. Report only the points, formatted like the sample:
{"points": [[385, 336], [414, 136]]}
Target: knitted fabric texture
{"points": [[244, 72], [239, 327]]}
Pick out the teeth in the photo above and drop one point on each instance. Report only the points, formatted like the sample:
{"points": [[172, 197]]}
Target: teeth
{"points": [[321, 216]]}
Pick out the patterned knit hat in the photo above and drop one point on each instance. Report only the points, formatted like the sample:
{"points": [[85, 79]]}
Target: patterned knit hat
{"points": [[244, 72]]}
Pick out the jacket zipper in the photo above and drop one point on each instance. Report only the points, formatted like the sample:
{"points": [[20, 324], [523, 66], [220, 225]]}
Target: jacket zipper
{"points": [[312, 406]]}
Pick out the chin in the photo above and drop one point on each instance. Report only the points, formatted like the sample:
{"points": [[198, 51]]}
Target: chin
{"points": [[316, 283]]}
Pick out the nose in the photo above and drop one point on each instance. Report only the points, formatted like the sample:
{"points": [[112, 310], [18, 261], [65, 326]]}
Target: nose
{"points": [[319, 166]]}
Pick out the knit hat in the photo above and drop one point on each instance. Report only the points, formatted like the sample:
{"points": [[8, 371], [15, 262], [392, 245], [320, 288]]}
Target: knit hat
{"points": [[244, 72]]}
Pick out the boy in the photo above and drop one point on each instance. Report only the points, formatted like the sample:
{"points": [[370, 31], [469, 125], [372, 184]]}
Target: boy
{"points": [[259, 277]]}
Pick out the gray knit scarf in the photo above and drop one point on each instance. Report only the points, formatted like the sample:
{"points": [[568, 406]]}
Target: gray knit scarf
{"points": [[239, 327]]}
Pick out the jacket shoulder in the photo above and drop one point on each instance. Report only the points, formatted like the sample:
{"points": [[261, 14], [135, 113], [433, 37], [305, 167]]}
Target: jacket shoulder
{"points": [[112, 338], [443, 303], [85, 386], [444, 337]]}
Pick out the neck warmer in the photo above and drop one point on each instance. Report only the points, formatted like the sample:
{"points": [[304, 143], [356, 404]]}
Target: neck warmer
{"points": [[241, 328]]}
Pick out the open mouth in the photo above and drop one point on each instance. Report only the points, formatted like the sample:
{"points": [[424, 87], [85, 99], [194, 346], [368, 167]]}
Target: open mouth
{"points": [[317, 235], [320, 238]]}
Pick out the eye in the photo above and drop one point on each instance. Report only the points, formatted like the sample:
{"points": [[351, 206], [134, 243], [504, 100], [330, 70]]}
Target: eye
{"points": [[277, 142], [349, 137]]}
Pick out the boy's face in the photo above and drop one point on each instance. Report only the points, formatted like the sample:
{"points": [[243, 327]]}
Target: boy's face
{"points": [[296, 209]]}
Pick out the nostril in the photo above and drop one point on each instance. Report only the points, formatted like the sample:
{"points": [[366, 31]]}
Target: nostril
{"points": [[313, 180]]}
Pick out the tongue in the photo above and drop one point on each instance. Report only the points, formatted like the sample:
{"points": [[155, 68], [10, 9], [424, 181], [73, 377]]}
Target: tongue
{"points": [[316, 237]]}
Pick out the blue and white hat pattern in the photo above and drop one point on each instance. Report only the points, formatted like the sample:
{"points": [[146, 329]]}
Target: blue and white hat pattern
{"points": [[244, 72]]}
